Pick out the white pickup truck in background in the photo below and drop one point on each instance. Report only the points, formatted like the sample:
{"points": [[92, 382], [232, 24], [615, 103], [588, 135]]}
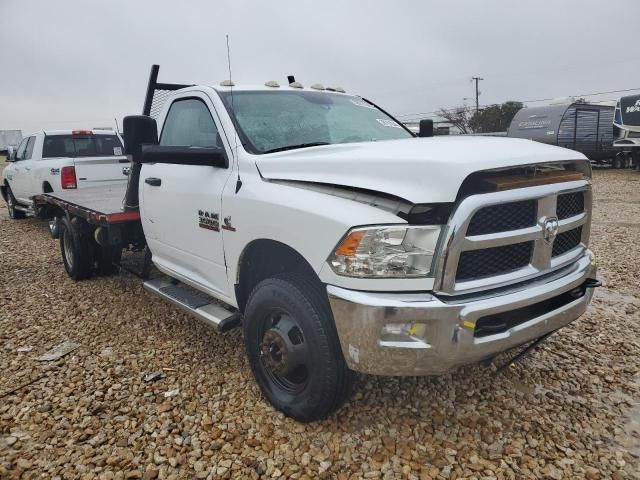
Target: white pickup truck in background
{"points": [[338, 240], [51, 161]]}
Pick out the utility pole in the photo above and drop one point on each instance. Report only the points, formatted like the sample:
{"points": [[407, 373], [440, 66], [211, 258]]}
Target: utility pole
{"points": [[477, 79]]}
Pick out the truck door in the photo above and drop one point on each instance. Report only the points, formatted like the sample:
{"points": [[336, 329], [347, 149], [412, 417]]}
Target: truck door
{"points": [[21, 182], [181, 206]]}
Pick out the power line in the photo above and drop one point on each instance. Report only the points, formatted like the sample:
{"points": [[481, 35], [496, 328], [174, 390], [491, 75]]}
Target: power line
{"points": [[419, 114]]}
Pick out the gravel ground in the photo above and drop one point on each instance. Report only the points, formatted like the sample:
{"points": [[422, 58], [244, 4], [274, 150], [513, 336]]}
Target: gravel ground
{"points": [[571, 410]]}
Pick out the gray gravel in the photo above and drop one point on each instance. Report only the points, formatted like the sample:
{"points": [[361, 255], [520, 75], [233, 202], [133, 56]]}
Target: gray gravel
{"points": [[571, 410]]}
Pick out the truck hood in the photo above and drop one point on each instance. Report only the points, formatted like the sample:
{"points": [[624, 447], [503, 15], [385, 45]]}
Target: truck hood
{"points": [[420, 170]]}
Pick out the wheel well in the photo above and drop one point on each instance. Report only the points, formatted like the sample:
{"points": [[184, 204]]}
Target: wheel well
{"points": [[46, 187], [262, 259]]}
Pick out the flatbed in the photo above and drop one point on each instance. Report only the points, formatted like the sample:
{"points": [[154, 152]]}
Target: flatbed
{"points": [[102, 205]]}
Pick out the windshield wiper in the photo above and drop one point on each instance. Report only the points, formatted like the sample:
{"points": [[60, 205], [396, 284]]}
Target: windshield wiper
{"points": [[293, 147]]}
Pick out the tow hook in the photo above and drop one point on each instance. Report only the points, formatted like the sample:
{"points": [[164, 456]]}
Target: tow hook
{"points": [[593, 283]]}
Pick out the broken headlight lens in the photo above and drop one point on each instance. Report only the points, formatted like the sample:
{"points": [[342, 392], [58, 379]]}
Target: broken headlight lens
{"points": [[400, 251]]}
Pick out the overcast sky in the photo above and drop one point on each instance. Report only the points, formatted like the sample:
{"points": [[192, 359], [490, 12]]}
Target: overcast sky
{"points": [[75, 64]]}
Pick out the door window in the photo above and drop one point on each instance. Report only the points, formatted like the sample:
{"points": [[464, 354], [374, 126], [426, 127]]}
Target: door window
{"points": [[29, 150], [189, 124], [21, 149]]}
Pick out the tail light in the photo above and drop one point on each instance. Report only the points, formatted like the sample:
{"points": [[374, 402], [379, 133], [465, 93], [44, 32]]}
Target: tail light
{"points": [[81, 132], [68, 178]]}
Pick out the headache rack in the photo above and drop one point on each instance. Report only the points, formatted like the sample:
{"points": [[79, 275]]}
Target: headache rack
{"points": [[157, 93]]}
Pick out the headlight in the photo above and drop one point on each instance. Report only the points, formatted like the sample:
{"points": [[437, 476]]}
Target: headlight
{"points": [[398, 251]]}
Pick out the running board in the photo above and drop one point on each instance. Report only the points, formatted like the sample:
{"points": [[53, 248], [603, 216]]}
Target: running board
{"points": [[198, 304]]}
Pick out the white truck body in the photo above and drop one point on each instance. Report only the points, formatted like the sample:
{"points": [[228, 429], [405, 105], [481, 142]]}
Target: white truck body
{"points": [[376, 252], [96, 156]]}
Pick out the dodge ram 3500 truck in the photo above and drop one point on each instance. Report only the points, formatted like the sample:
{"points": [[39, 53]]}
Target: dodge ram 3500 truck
{"points": [[338, 240], [54, 160]]}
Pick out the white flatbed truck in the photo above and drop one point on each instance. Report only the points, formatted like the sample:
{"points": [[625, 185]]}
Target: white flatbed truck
{"points": [[338, 240]]}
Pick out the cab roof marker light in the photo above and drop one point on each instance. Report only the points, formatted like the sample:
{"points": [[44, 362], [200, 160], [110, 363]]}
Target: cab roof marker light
{"points": [[317, 86], [330, 89], [227, 83], [272, 84], [296, 85], [340, 90]]}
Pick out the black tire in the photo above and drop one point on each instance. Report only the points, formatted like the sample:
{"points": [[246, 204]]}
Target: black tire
{"points": [[323, 382], [108, 259], [11, 206], [617, 163], [54, 227], [75, 248]]}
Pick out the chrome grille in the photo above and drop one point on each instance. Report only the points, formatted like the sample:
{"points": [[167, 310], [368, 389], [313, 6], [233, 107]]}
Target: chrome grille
{"points": [[491, 261], [500, 238], [570, 204], [566, 241], [501, 218]]}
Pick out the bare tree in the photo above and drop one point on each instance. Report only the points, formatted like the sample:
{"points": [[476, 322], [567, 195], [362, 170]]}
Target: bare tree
{"points": [[459, 117]]}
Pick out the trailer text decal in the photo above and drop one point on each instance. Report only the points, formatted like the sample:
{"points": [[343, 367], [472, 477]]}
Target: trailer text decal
{"points": [[634, 108]]}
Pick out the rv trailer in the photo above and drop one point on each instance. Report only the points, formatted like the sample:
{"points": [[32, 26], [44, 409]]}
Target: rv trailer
{"points": [[584, 127], [626, 131]]}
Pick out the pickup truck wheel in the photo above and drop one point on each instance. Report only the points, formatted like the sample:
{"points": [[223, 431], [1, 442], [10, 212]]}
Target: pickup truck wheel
{"points": [[74, 246], [293, 348], [54, 227], [11, 206], [617, 163]]}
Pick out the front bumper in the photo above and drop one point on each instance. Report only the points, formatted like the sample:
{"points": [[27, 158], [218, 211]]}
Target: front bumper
{"points": [[447, 339]]}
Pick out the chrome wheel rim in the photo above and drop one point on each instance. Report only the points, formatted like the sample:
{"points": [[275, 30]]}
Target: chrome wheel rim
{"points": [[68, 249], [10, 205]]}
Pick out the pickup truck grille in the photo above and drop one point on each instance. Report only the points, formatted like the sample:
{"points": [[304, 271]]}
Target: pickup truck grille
{"points": [[492, 261], [500, 238], [570, 204], [501, 218], [566, 241]]}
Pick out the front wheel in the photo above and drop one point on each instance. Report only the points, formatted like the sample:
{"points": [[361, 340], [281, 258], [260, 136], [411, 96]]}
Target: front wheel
{"points": [[617, 163], [293, 348], [14, 214]]}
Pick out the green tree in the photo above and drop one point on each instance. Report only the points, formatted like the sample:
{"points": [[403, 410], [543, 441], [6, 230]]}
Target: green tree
{"points": [[494, 118]]}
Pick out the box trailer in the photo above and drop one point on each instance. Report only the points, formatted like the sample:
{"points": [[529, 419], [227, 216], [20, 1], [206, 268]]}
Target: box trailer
{"points": [[9, 138]]}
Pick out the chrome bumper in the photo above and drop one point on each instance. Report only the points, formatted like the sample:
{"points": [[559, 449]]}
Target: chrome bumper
{"points": [[447, 339]]}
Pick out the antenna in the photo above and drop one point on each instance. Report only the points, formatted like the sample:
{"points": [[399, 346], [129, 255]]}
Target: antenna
{"points": [[235, 133]]}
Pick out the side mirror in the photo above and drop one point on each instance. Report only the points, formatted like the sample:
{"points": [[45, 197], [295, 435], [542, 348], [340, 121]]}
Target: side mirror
{"points": [[139, 130], [426, 128], [211, 156], [11, 154]]}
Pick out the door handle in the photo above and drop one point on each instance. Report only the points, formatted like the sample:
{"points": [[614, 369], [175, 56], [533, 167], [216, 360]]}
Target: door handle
{"points": [[153, 181]]}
